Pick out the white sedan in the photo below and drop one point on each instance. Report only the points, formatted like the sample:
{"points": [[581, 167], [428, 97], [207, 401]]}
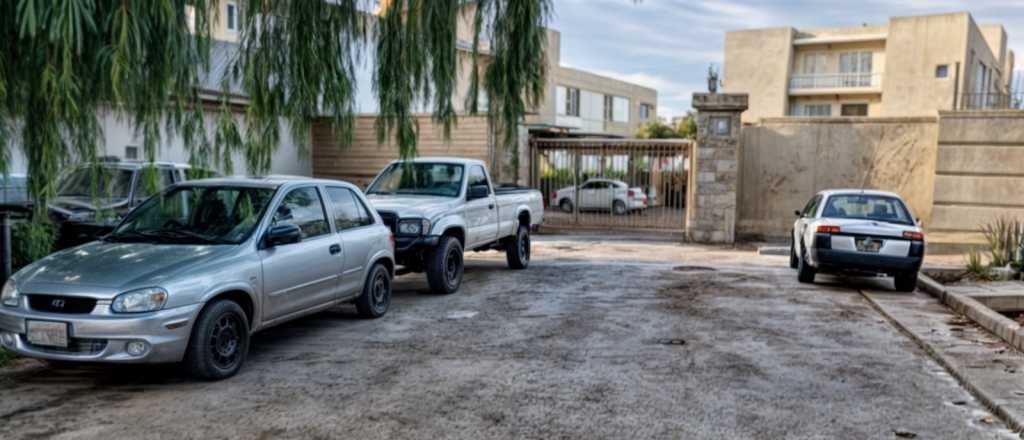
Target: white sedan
{"points": [[601, 194], [860, 232]]}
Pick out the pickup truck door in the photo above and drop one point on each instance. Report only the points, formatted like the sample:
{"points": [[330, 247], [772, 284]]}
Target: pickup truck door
{"points": [[481, 214], [301, 275]]}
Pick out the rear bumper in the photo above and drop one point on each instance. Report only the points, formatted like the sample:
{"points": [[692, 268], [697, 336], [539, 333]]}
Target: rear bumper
{"points": [[839, 261]]}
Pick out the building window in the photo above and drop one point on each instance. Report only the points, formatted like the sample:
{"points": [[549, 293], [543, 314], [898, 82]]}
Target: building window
{"points": [[609, 107], [855, 69], [814, 63], [646, 111], [811, 110], [572, 102], [131, 152], [942, 71], [620, 109], [854, 110], [232, 16]]}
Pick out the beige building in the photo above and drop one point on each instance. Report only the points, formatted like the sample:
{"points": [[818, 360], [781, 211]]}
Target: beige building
{"points": [[912, 66]]}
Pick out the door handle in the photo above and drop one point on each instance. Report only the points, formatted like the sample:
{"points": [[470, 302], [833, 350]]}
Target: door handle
{"points": [[335, 249], [491, 206]]}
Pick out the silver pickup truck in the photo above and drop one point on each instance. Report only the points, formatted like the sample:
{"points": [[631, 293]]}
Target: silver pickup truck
{"points": [[439, 207]]}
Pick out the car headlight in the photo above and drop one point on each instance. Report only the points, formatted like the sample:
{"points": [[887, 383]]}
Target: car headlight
{"points": [[413, 226], [10, 294], [139, 301]]}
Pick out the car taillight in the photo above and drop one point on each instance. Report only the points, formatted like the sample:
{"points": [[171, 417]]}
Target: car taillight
{"points": [[916, 236], [631, 193], [828, 229]]}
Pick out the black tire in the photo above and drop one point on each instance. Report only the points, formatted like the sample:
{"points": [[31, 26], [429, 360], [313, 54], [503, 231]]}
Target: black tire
{"points": [[565, 205], [619, 208], [219, 342], [794, 262], [445, 266], [376, 297], [906, 282], [517, 250], [805, 273]]}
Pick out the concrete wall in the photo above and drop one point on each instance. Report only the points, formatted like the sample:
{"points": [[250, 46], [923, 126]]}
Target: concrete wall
{"points": [[757, 62], [785, 161], [980, 169], [361, 160], [118, 133]]}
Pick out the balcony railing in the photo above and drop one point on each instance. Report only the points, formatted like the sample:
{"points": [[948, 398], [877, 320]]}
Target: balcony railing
{"points": [[835, 80], [992, 101]]}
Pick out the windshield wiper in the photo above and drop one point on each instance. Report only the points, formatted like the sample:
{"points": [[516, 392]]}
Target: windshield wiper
{"points": [[131, 236]]}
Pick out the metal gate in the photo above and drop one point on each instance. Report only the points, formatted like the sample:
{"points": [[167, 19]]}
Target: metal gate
{"points": [[612, 183]]}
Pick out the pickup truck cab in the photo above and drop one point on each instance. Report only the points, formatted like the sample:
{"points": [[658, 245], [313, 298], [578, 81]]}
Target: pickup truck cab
{"points": [[440, 207]]}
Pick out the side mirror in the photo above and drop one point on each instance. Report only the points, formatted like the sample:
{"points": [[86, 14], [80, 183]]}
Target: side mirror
{"points": [[478, 192], [798, 213], [283, 234]]}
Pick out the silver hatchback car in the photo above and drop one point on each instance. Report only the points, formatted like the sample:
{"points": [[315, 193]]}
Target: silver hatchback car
{"points": [[193, 272]]}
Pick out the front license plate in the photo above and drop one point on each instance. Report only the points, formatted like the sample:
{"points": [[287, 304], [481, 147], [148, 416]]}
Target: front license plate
{"points": [[868, 245], [51, 334]]}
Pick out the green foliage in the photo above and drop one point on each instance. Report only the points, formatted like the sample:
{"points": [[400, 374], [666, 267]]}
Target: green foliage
{"points": [[685, 129], [6, 357], [31, 241], [1005, 238], [514, 79]]}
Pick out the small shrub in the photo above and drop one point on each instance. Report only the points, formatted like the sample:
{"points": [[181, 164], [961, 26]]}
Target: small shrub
{"points": [[6, 357], [1004, 237], [31, 241], [976, 267]]}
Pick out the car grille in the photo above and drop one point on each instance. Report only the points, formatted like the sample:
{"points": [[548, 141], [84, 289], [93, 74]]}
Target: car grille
{"points": [[61, 304], [390, 219], [75, 346]]}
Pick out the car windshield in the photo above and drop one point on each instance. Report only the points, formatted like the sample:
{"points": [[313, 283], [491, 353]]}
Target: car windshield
{"points": [[111, 183], [196, 215], [431, 179], [867, 207]]}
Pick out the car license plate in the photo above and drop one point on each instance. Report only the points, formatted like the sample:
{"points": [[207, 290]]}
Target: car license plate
{"points": [[52, 334], [868, 245]]}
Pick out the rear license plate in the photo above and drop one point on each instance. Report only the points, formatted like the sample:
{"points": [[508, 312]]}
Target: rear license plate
{"points": [[51, 334], [868, 245]]}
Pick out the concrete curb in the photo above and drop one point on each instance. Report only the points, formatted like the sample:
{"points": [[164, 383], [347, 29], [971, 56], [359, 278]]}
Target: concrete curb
{"points": [[1005, 328], [1013, 419]]}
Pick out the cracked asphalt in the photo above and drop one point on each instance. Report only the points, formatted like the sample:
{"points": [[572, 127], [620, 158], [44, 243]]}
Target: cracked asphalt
{"points": [[599, 338]]}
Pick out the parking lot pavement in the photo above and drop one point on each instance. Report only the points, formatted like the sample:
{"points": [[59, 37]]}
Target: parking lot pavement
{"points": [[599, 338]]}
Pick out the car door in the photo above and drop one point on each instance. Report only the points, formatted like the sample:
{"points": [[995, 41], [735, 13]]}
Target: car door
{"points": [[301, 275], [589, 195], [354, 224], [806, 216], [482, 214]]}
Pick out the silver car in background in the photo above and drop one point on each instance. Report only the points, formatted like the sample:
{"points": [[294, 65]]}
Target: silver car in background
{"points": [[857, 231], [191, 273], [601, 194]]}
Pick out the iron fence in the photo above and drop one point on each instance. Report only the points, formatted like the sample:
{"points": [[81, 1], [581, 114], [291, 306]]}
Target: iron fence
{"points": [[612, 183]]}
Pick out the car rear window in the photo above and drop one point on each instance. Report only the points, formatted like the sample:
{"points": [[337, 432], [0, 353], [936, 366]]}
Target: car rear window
{"points": [[867, 207]]}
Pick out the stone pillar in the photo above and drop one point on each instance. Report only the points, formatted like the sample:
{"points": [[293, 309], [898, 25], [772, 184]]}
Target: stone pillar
{"points": [[714, 168]]}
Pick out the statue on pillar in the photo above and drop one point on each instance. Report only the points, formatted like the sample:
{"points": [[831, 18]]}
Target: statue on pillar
{"points": [[712, 79]]}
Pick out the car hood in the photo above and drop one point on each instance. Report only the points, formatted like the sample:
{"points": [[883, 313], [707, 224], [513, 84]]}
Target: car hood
{"points": [[870, 227], [114, 265], [429, 207]]}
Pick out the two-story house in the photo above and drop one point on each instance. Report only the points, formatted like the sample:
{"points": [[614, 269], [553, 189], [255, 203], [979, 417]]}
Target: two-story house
{"points": [[912, 66]]}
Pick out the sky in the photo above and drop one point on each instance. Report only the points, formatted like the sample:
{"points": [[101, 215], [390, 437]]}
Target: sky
{"points": [[669, 44]]}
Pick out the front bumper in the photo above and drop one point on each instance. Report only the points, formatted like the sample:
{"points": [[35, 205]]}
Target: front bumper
{"points": [[838, 261], [103, 336]]}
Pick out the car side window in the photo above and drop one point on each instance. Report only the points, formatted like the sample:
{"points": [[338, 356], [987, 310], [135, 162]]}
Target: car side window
{"points": [[811, 206], [349, 212], [302, 207], [477, 176], [164, 178]]}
